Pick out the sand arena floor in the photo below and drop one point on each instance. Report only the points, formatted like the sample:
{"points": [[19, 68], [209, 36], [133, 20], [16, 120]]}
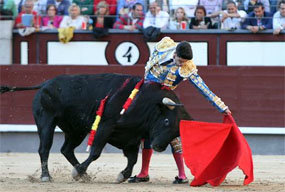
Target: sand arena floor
{"points": [[21, 172]]}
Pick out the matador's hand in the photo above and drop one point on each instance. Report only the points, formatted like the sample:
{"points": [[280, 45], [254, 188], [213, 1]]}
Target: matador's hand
{"points": [[228, 112]]}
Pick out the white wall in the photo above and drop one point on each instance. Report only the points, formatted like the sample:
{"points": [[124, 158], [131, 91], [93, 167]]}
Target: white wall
{"points": [[93, 53], [74, 53], [6, 42], [256, 53]]}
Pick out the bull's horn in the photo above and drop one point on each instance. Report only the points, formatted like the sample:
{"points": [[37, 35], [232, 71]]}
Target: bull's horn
{"points": [[169, 103]]}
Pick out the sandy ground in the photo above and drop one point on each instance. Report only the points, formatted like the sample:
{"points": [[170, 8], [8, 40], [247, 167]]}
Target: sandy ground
{"points": [[21, 171]]}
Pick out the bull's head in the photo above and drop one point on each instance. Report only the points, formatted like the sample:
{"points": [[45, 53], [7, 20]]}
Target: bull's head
{"points": [[156, 113], [167, 125]]}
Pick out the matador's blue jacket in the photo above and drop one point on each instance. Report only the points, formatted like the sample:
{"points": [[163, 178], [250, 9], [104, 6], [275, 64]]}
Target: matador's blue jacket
{"points": [[161, 68]]}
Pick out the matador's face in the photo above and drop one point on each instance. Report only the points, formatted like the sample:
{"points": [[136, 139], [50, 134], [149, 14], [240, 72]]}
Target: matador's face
{"points": [[178, 60]]}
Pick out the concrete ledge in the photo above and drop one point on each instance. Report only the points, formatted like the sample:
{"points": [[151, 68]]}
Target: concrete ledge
{"points": [[244, 130]]}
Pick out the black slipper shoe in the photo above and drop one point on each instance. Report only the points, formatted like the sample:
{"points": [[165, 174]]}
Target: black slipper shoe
{"points": [[136, 179], [180, 181]]}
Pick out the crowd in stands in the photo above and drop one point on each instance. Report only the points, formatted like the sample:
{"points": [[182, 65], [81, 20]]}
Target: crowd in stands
{"points": [[252, 15]]}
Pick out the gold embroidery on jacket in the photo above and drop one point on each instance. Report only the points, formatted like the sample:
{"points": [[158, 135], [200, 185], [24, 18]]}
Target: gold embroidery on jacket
{"points": [[165, 44], [154, 73], [171, 77], [173, 69], [187, 69]]}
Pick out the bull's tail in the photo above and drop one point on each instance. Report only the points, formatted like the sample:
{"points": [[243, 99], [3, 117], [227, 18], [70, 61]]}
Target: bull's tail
{"points": [[4, 88]]}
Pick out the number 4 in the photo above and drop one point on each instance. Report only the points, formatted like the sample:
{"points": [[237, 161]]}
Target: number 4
{"points": [[128, 54]]}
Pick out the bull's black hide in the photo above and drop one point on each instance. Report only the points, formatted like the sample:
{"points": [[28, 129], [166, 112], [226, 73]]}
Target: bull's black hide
{"points": [[70, 102]]}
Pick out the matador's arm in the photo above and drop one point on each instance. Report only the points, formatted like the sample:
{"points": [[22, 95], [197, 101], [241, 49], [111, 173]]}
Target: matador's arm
{"points": [[189, 71]]}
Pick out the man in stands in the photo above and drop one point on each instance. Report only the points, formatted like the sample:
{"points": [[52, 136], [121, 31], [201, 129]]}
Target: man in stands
{"points": [[279, 19], [132, 20], [232, 17], [258, 20], [155, 17], [28, 9], [124, 6]]}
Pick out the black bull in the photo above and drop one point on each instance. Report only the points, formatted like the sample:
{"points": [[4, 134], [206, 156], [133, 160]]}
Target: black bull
{"points": [[70, 102]]}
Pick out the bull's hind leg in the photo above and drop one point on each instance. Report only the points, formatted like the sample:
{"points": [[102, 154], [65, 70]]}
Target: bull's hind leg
{"points": [[132, 156], [46, 127]]}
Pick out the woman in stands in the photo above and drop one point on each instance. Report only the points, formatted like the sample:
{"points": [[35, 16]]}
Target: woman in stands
{"points": [[74, 19], [179, 20], [200, 21], [51, 20], [102, 18]]}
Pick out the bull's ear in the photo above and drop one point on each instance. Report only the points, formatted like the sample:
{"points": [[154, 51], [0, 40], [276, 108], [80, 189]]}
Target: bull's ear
{"points": [[169, 103]]}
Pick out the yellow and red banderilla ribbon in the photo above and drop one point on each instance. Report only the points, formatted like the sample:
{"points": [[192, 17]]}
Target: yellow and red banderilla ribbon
{"points": [[132, 96], [99, 113]]}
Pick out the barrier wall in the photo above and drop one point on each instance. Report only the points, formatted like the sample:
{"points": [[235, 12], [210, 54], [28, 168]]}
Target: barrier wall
{"points": [[210, 47], [255, 94]]}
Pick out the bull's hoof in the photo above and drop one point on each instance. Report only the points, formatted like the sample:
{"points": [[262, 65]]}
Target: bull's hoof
{"points": [[45, 179], [85, 178], [75, 175], [120, 178]]}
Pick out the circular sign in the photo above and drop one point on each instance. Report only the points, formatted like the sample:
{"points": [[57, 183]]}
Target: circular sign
{"points": [[127, 53]]}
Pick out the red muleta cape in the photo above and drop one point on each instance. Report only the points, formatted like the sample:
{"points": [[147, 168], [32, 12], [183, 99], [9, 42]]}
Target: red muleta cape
{"points": [[212, 150]]}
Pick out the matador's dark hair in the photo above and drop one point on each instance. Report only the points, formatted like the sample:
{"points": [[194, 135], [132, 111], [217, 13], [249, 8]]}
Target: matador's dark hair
{"points": [[184, 50]]}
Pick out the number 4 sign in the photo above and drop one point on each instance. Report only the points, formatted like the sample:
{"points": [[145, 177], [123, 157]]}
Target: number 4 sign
{"points": [[127, 53]]}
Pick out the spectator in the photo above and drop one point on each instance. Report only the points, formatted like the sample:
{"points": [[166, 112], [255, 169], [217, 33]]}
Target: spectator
{"points": [[132, 20], [39, 6], [163, 4], [102, 20], [28, 9], [111, 3], [200, 21], [249, 5], [279, 18], [8, 8], [155, 17], [86, 6], [74, 19], [189, 6], [239, 4], [61, 5], [177, 21], [51, 20], [211, 6], [124, 6], [232, 17], [258, 20]]}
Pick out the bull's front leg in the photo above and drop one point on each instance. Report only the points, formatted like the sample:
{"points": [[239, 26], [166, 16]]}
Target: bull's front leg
{"points": [[132, 156], [100, 140]]}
